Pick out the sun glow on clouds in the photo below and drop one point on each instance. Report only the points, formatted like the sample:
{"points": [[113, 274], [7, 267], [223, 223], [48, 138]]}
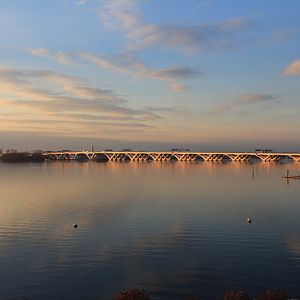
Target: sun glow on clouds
{"points": [[293, 69], [61, 57], [64, 104], [124, 63]]}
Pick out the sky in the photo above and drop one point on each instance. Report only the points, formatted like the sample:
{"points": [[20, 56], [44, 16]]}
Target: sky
{"points": [[150, 74]]}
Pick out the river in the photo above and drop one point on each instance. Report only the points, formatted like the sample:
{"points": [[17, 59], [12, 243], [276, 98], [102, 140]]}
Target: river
{"points": [[173, 229]]}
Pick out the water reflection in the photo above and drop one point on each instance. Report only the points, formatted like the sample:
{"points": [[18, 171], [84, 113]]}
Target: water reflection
{"points": [[171, 228]]}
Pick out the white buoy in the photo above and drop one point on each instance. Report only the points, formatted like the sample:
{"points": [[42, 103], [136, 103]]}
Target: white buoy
{"points": [[249, 221], [75, 225]]}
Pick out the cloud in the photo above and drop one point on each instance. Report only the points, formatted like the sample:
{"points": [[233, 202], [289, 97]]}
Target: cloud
{"points": [[173, 73], [24, 84], [253, 98], [94, 116], [245, 99], [62, 57], [81, 2], [104, 63], [178, 88], [204, 3], [129, 63], [83, 109], [42, 52], [292, 69], [124, 63], [125, 15], [164, 109], [72, 122], [66, 104]]}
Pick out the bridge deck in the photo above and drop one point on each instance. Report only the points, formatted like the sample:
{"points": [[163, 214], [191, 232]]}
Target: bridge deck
{"points": [[170, 155]]}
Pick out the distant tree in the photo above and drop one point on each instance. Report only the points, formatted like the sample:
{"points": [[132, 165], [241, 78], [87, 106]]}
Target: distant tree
{"points": [[236, 295], [275, 294], [132, 294]]}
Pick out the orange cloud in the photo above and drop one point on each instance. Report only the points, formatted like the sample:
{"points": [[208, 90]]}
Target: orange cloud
{"points": [[292, 69], [58, 104]]}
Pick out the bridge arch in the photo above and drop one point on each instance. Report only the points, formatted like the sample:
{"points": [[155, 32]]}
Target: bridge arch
{"points": [[270, 157], [225, 157], [201, 157], [294, 157], [256, 156], [131, 156], [198, 157], [101, 157], [126, 157], [66, 156], [81, 157], [173, 158], [150, 158], [121, 157]]}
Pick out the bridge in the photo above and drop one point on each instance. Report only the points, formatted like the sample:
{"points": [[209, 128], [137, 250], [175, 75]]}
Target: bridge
{"points": [[170, 156]]}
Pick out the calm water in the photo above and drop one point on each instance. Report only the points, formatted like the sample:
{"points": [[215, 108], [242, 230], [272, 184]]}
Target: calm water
{"points": [[174, 229]]}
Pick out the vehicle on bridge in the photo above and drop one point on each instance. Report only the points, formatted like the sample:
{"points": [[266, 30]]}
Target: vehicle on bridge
{"points": [[180, 150], [263, 150]]}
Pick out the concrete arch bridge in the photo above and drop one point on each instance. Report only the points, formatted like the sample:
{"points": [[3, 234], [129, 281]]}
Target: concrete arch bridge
{"points": [[170, 156]]}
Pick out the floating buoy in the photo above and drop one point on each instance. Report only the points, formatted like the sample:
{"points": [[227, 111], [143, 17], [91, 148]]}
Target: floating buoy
{"points": [[75, 225], [249, 221]]}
